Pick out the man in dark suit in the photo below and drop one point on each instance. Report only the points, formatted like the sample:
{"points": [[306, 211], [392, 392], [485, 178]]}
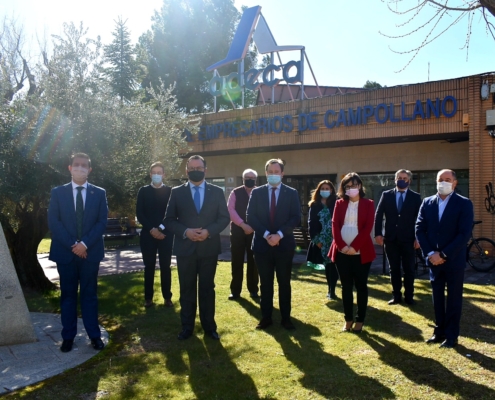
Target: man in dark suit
{"points": [[151, 204], [400, 206], [443, 229], [77, 218], [241, 237], [196, 214], [273, 212]]}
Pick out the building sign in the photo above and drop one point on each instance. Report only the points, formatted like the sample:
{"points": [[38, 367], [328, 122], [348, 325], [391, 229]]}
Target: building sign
{"points": [[381, 113], [253, 27]]}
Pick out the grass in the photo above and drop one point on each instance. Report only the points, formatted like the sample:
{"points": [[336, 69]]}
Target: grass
{"points": [[389, 360]]}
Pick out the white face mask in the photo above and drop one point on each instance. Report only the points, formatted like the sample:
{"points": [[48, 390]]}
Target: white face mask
{"points": [[444, 188], [79, 173], [352, 192]]}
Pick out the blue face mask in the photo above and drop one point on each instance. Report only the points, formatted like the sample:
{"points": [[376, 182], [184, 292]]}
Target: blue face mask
{"points": [[274, 179], [325, 193], [156, 179]]}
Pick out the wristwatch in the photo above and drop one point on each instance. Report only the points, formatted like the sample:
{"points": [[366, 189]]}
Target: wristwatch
{"points": [[443, 256]]}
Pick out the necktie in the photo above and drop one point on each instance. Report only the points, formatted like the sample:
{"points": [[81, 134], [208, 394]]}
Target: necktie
{"points": [[273, 207], [79, 211], [401, 202], [197, 199]]}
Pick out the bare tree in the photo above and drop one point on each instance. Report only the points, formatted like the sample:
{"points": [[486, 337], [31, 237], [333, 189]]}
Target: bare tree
{"points": [[437, 13]]}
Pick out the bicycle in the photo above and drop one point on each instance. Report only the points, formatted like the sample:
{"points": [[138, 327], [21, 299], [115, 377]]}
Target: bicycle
{"points": [[481, 252]]}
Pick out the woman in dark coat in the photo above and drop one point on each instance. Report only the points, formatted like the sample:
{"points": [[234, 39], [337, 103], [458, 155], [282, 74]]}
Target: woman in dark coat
{"points": [[320, 230]]}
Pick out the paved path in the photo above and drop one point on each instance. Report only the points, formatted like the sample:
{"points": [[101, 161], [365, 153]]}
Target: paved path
{"points": [[25, 364]]}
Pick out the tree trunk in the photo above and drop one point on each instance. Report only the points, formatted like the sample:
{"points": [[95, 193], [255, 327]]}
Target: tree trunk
{"points": [[23, 246]]}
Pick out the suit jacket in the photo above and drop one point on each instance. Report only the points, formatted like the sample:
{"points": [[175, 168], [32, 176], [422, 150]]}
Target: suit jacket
{"points": [[148, 210], [287, 217], [397, 226], [181, 214], [63, 225], [450, 234], [362, 242]]}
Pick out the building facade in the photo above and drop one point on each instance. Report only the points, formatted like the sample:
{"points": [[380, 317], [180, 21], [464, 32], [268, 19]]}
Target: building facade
{"points": [[421, 127]]}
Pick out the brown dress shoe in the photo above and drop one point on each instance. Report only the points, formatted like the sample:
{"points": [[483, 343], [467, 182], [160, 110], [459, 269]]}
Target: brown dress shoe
{"points": [[168, 303]]}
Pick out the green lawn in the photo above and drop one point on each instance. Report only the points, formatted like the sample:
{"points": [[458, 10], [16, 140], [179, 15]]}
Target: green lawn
{"points": [[389, 360]]}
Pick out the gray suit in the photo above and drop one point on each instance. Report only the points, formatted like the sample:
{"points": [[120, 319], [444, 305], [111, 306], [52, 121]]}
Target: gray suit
{"points": [[197, 261]]}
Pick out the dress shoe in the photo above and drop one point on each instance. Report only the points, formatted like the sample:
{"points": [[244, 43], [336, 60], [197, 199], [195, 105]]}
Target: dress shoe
{"points": [[448, 344], [348, 326], [411, 302], [213, 334], [168, 303], [66, 345], [148, 303], [287, 324], [394, 301], [358, 330], [435, 339], [184, 334], [233, 296], [254, 295], [97, 343], [264, 323], [332, 296]]}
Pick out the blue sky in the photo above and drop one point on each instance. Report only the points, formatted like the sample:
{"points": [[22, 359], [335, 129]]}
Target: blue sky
{"points": [[342, 38]]}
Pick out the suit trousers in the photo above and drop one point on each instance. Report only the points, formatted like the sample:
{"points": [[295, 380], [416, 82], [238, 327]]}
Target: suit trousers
{"points": [[149, 248], [401, 254], [84, 274], [269, 264], [240, 244], [447, 308], [197, 281], [353, 274]]}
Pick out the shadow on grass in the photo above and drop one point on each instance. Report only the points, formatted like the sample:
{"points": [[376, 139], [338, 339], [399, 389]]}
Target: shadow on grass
{"points": [[425, 371], [340, 380]]}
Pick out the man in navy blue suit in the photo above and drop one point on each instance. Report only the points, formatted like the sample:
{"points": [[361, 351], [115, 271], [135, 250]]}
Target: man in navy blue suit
{"points": [[77, 218], [443, 229], [273, 212], [400, 207]]}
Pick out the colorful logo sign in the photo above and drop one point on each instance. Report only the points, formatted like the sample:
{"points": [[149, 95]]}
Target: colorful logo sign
{"points": [[253, 26]]}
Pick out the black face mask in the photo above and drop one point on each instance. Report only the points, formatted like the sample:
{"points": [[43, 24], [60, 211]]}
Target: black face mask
{"points": [[196, 176], [249, 183]]}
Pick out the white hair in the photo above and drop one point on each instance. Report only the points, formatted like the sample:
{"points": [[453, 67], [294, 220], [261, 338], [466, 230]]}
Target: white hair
{"points": [[249, 170]]}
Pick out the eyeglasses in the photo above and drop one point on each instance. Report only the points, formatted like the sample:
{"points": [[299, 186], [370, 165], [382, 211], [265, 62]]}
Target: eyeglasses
{"points": [[347, 187], [190, 169]]}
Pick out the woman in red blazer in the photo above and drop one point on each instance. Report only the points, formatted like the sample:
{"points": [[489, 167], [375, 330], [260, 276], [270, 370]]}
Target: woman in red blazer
{"points": [[352, 249]]}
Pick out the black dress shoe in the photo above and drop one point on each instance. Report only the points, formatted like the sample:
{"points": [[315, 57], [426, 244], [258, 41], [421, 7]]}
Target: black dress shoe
{"points": [[411, 302], [148, 303], [332, 296], [254, 295], [394, 301], [184, 334], [213, 334], [233, 296], [449, 344], [97, 343], [66, 345], [264, 323], [168, 303], [435, 339], [287, 324]]}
